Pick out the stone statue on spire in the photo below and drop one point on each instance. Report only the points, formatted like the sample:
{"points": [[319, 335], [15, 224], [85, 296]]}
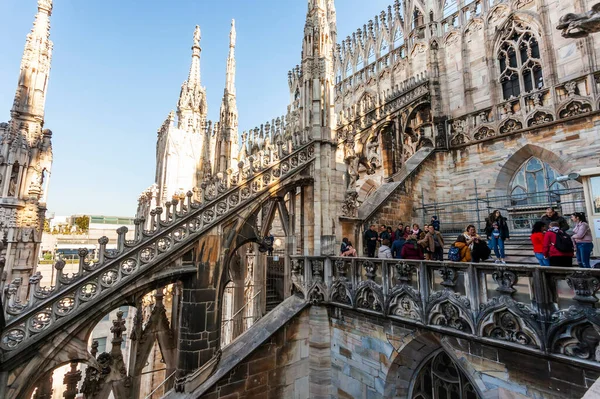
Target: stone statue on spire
{"points": [[232, 34]]}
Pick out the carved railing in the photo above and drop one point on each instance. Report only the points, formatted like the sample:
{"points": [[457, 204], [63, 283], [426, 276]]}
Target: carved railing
{"points": [[172, 232], [550, 310], [533, 109]]}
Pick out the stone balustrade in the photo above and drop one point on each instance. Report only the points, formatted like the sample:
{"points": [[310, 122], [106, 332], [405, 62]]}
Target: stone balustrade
{"points": [[547, 310]]}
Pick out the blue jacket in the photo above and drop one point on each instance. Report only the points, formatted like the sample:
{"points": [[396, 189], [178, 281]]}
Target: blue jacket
{"points": [[397, 248]]}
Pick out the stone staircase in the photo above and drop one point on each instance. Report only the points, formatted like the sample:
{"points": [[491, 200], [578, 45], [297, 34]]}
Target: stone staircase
{"points": [[377, 199], [518, 249], [198, 383], [174, 233]]}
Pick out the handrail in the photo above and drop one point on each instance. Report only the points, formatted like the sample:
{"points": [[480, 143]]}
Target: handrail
{"points": [[160, 385]]}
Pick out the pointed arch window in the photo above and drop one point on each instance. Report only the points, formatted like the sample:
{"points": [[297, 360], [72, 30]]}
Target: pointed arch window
{"points": [[450, 7], [398, 38], [227, 314], [371, 56], [440, 377], [519, 60], [384, 48], [533, 178], [360, 64]]}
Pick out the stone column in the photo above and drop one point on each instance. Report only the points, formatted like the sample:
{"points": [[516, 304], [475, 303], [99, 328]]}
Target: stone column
{"points": [[199, 327], [290, 243], [308, 220]]}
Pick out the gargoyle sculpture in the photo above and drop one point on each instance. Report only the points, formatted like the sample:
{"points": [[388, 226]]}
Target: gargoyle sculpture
{"points": [[575, 26]]}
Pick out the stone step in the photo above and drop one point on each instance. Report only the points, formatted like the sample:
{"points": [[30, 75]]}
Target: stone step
{"points": [[377, 199]]}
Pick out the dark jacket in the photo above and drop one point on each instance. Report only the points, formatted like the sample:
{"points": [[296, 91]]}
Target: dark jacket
{"points": [[436, 225], [563, 225], [397, 247], [371, 234], [502, 226], [385, 235]]}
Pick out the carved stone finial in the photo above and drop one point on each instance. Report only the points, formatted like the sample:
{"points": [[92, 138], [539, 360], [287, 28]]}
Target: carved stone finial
{"points": [[505, 279], [370, 269], [449, 275], [585, 286], [403, 273]]}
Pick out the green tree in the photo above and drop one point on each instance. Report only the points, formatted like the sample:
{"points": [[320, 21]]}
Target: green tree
{"points": [[82, 223]]}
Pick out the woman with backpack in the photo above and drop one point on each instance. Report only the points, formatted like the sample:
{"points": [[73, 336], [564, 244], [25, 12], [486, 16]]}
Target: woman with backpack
{"points": [[558, 247], [460, 252], [582, 238], [537, 239]]}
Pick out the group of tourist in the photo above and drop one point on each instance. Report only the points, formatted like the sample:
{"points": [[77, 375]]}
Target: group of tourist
{"points": [[405, 242], [551, 244], [554, 247]]}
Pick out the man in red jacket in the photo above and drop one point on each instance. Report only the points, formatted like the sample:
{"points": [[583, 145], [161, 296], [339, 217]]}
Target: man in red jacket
{"points": [[556, 257]]}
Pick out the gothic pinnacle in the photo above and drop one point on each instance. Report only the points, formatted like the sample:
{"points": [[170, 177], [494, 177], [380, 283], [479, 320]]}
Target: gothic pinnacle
{"points": [[230, 74], [194, 77], [30, 96]]}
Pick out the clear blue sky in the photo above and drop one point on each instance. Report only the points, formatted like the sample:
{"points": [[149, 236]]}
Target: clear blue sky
{"points": [[117, 69]]}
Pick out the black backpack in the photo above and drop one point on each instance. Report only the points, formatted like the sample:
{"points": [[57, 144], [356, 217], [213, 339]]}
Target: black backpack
{"points": [[563, 242]]}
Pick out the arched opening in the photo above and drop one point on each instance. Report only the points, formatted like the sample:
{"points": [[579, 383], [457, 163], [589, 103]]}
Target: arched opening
{"points": [[227, 321], [64, 381], [529, 182], [519, 60], [440, 377], [425, 368]]}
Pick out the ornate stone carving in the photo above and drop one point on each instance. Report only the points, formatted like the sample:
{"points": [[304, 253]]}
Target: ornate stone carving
{"points": [[449, 276], [449, 315], [405, 304], [511, 125], [484, 133], [350, 204], [578, 339], [404, 273], [585, 286], [575, 26], [571, 88], [316, 296], [575, 108], [369, 296], [317, 269], [506, 326], [505, 279], [539, 118]]}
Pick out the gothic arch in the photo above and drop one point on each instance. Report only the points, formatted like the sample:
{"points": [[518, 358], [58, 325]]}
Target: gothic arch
{"points": [[519, 49], [409, 357], [512, 165], [366, 189]]}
